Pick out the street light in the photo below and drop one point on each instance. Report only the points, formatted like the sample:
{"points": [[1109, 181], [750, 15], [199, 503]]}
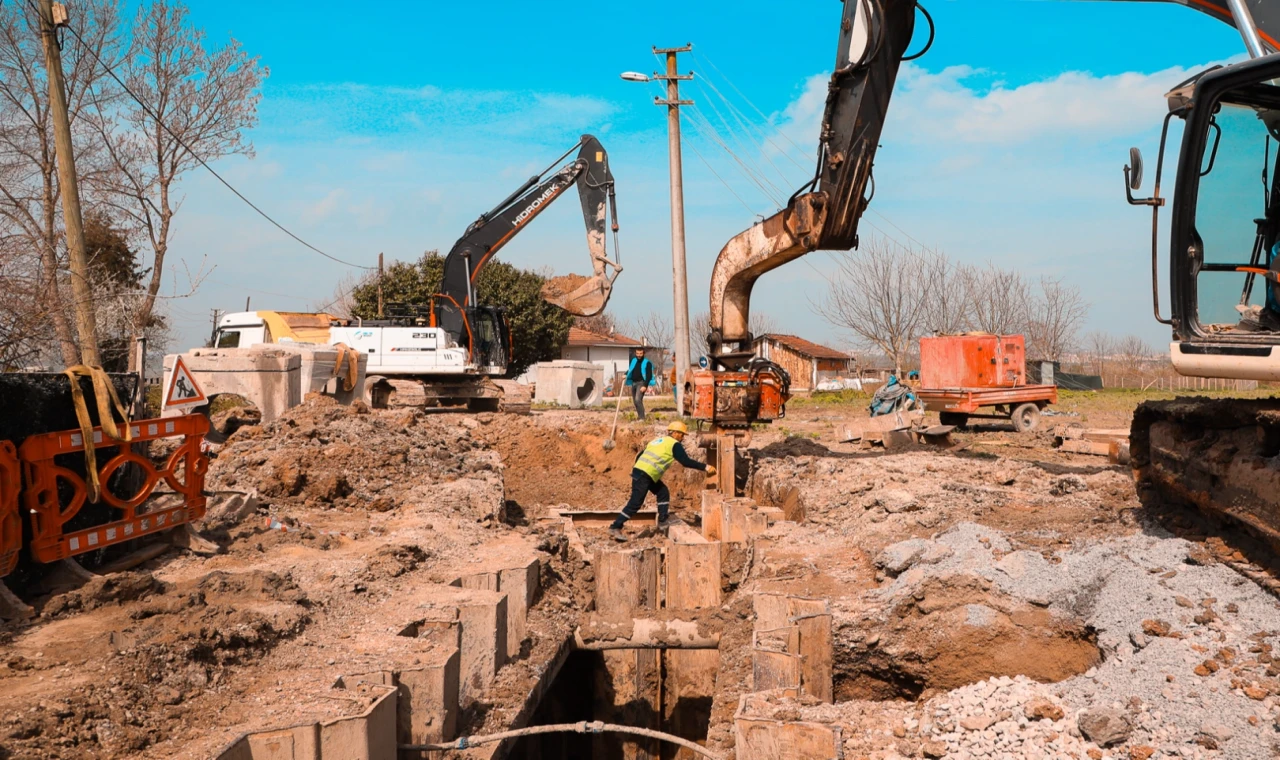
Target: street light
{"points": [[680, 277]]}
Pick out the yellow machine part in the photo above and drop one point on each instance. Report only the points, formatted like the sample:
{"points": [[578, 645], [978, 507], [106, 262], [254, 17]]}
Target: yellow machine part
{"points": [[297, 326]]}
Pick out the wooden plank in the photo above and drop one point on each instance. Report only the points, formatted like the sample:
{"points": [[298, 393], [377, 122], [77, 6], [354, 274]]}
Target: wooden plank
{"points": [[693, 576], [713, 515], [816, 653], [772, 611], [775, 670], [1081, 446], [770, 740], [626, 581], [734, 522]]}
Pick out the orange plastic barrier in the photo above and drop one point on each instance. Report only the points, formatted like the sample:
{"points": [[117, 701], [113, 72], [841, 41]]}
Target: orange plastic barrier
{"points": [[184, 472], [10, 517]]}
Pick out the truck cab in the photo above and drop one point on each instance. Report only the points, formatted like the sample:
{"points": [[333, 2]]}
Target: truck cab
{"points": [[241, 330]]}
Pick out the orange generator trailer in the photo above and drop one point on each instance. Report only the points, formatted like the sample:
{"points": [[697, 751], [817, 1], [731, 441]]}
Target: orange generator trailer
{"points": [[961, 375]]}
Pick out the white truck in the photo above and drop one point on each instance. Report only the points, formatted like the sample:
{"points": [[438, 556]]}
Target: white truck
{"points": [[406, 355]]}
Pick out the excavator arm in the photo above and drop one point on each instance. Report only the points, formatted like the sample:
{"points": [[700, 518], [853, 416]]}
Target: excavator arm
{"points": [[825, 213], [584, 296]]}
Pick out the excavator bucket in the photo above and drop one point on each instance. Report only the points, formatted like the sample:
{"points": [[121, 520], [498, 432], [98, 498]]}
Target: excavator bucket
{"points": [[582, 296]]}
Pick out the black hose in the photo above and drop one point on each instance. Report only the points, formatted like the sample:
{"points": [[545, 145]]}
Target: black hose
{"points": [[932, 33]]}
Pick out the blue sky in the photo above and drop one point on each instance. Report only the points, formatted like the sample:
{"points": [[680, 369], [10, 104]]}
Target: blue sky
{"points": [[392, 129]]}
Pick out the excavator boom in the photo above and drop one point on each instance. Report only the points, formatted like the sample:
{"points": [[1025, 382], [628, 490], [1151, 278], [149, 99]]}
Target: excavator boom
{"points": [[583, 296]]}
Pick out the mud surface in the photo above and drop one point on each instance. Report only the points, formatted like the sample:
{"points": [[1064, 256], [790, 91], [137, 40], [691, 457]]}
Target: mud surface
{"points": [[995, 599]]}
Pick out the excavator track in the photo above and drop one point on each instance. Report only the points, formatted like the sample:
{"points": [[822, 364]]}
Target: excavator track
{"points": [[1210, 469]]}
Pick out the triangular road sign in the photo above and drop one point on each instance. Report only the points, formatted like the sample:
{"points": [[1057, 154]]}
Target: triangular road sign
{"points": [[183, 390]]}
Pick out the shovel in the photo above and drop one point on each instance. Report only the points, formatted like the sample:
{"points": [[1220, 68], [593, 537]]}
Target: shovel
{"points": [[609, 444]]}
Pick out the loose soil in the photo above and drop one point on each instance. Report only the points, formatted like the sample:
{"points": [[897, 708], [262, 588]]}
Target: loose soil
{"points": [[964, 585]]}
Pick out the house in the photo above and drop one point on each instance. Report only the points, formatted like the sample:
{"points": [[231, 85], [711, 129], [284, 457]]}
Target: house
{"points": [[611, 352], [808, 363]]}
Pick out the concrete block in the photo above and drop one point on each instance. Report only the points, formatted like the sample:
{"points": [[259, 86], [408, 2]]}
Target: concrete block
{"points": [[576, 385], [268, 377]]}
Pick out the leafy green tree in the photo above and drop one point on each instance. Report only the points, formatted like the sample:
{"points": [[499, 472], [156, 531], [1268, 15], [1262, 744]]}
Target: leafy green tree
{"points": [[538, 329]]}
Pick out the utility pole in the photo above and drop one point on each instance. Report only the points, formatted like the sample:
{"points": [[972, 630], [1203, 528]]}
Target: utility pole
{"points": [[379, 286], [679, 270], [213, 332], [51, 17]]}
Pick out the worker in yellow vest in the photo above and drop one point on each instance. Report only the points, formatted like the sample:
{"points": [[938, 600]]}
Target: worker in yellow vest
{"points": [[646, 476]]}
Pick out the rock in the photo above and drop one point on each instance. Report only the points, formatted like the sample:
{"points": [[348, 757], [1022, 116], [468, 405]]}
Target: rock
{"points": [[894, 502], [1216, 729], [1068, 484], [1139, 640], [1141, 752], [1199, 555], [935, 553], [896, 558], [1156, 627], [1016, 564], [1041, 708], [977, 722], [934, 749], [1104, 726]]}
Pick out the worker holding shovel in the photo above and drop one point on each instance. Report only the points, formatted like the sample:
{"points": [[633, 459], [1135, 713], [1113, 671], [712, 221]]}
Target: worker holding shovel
{"points": [[646, 476], [640, 376]]}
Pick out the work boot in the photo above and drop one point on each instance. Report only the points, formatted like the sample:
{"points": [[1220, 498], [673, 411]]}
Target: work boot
{"points": [[666, 522], [617, 535]]}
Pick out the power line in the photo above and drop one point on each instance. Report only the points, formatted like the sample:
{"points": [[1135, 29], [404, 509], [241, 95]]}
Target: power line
{"points": [[111, 72]]}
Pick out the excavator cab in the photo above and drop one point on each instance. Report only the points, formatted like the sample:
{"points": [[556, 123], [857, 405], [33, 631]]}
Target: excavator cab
{"points": [[1224, 274]]}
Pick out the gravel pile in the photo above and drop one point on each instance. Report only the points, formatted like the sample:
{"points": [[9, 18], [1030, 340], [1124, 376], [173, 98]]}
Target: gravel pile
{"points": [[1187, 667]]}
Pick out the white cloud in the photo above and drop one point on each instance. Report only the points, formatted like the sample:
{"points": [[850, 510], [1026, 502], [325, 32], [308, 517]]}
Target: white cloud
{"points": [[960, 104], [323, 208]]}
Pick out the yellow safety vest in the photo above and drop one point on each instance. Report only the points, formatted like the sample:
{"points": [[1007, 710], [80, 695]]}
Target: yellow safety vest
{"points": [[657, 457]]}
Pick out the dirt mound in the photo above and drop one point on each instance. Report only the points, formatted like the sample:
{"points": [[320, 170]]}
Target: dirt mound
{"points": [[104, 590], [173, 647], [322, 454]]}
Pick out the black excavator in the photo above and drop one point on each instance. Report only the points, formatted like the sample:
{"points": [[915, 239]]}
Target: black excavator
{"points": [[1221, 456], [451, 349]]}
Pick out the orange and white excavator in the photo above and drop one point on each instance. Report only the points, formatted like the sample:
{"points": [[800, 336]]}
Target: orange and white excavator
{"points": [[1222, 456]]}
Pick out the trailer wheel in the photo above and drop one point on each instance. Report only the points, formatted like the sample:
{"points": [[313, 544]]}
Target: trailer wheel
{"points": [[958, 419], [1026, 418]]}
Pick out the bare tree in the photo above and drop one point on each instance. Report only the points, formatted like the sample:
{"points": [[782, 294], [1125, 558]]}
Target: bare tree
{"points": [[656, 332], [30, 213], [198, 102], [999, 300], [1054, 319], [1133, 353], [759, 323], [1100, 346], [600, 324], [944, 286], [875, 297]]}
